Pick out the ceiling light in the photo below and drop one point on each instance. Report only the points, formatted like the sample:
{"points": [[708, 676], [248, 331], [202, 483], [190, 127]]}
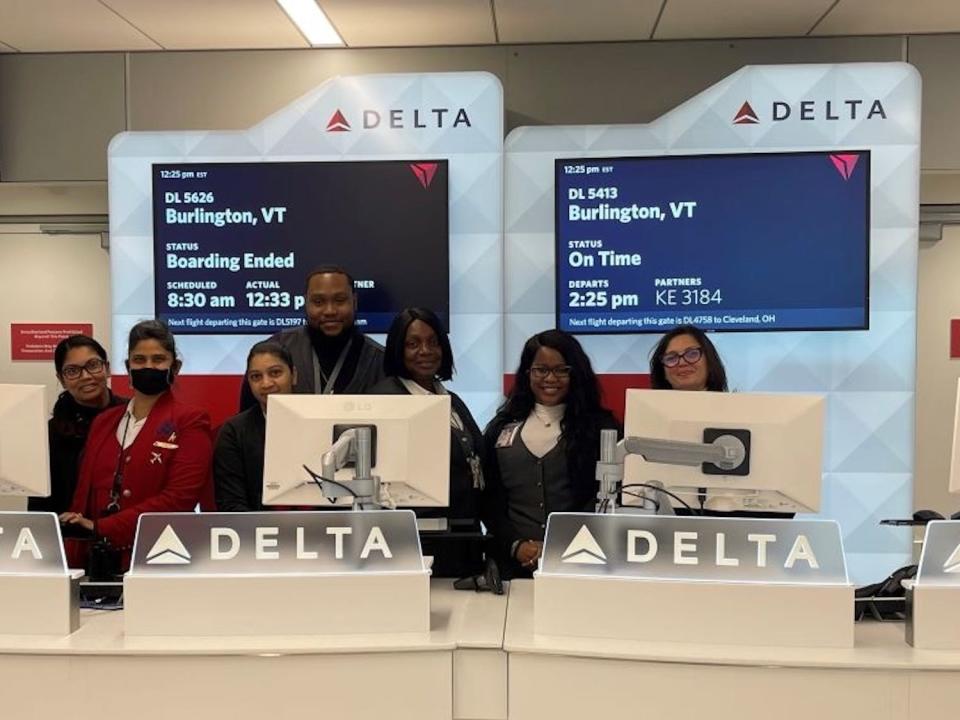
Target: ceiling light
{"points": [[311, 21]]}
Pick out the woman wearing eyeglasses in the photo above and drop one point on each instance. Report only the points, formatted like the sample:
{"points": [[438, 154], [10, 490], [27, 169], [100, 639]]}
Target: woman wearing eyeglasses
{"points": [[82, 369], [545, 442], [685, 359], [150, 455]]}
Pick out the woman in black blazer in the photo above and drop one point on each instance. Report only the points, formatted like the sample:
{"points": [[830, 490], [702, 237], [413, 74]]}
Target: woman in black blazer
{"points": [[418, 359], [238, 454]]}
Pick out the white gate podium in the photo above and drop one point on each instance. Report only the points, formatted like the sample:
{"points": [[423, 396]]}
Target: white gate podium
{"points": [[38, 594], [689, 579], [933, 601], [287, 573]]}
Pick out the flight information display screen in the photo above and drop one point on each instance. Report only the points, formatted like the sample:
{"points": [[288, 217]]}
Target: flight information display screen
{"points": [[233, 242], [776, 241]]}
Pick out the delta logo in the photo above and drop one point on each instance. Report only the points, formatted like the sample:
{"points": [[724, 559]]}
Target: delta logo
{"points": [[403, 119], [584, 549], [424, 172], [168, 550], [684, 547], [746, 116], [814, 110], [338, 123], [845, 164]]}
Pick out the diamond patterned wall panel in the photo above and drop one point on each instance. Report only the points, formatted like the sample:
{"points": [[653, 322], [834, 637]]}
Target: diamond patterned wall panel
{"points": [[453, 116], [868, 377]]}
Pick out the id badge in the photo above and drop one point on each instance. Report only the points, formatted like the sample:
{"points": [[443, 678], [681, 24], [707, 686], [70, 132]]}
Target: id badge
{"points": [[476, 470], [508, 435]]}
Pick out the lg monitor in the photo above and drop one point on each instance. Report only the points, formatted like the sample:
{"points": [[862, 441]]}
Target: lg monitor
{"points": [[783, 443], [24, 450], [409, 448]]}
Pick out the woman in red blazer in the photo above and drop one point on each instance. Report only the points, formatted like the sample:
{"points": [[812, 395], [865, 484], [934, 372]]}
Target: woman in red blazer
{"points": [[150, 455]]}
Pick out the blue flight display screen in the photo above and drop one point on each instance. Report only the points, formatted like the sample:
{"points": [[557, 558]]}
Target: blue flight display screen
{"points": [[776, 241], [234, 242]]}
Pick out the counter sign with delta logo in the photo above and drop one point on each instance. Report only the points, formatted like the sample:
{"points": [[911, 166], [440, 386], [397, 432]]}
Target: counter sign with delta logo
{"points": [[693, 548], [265, 543], [30, 544]]}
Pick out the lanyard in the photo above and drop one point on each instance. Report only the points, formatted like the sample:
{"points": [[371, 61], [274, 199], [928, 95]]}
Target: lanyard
{"points": [[320, 380], [114, 504]]}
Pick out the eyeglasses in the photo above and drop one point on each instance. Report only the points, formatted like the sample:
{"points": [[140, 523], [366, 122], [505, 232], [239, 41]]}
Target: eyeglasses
{"points": [[93, 366], [540, 372], [690, 356]]}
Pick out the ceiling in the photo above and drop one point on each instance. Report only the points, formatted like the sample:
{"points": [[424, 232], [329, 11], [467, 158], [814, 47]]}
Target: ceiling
{"points": [[132, 25]]}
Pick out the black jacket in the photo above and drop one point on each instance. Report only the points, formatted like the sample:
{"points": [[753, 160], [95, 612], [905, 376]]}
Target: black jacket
{"points": [[238, 462], [517, 510], [67, 432], [452, 556]]}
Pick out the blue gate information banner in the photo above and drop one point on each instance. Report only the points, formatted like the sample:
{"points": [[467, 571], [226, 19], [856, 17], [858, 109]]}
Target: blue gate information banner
{"points": [[233, 242], [775, 241]]}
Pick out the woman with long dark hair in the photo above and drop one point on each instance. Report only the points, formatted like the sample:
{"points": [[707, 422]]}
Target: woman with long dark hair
{"points": [[685, 359], [544, 444]]}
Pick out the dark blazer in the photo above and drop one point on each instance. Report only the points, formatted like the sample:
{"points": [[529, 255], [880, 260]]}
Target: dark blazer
{"points": [[238, 462], [453, 557], [167, 469], [67, 433]]}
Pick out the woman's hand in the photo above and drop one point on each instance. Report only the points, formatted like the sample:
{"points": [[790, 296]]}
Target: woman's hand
{"points": [[72, 518], [528, 553]]}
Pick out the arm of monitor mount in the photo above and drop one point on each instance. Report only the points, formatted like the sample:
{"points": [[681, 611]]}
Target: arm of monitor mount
{"points": [[354, 444], [727, 452]]}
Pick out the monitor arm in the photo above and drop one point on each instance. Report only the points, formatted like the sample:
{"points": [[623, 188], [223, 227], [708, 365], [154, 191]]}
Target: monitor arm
{"points": [[353, 445], [726, 452]]}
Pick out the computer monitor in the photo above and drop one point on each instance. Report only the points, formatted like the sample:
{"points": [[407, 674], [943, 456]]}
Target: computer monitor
{"points": [[24, 447], [955, 453], [410, 453], [785, 446]]}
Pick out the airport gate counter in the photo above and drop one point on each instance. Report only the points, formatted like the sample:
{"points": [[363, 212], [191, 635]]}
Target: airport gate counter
{"points": [[711, 578], [460, 670], [457, 669], [572, 677]]}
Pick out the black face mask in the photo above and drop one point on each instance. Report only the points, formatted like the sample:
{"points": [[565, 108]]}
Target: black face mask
{"points": [[151, 381]]}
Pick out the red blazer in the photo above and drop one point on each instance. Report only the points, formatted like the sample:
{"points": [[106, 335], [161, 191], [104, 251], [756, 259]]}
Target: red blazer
{"points": [[166, 469]]}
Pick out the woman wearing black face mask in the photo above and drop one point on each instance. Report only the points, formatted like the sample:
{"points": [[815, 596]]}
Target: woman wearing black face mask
{"points": [[150, 455]]}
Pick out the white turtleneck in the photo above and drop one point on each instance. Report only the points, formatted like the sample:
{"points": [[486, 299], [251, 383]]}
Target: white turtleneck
{"points": [[541, 431]]}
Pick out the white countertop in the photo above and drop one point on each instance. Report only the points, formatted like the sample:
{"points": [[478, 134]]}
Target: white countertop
{"points": [[458, 619], [878, 646]]}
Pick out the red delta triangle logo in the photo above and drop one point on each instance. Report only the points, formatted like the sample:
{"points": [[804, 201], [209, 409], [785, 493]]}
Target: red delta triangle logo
{"points": [[424, 172], [338, 123], [745, 115], [844, 164]]}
